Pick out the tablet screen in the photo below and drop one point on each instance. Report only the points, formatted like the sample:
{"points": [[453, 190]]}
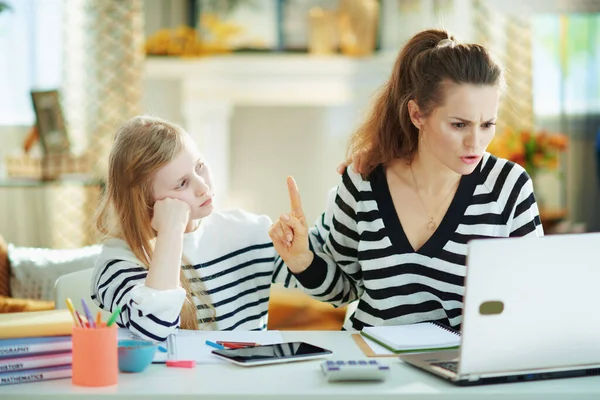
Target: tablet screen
{"points": [[272, 352]]}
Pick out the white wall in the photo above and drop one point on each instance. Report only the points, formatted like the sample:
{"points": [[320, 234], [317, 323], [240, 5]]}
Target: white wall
{"points": [[268, 144]]}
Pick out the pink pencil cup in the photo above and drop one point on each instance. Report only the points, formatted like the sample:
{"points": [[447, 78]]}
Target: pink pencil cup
{"points": [[95, 356]]}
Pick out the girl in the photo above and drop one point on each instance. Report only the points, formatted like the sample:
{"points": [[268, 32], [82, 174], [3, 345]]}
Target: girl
{"points": [[394, 237], [158, 211]]}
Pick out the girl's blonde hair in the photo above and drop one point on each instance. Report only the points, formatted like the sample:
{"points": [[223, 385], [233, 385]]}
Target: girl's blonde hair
{"points": [[141, 147]]}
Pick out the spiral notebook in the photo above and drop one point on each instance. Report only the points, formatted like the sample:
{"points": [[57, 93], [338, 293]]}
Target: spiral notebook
{"points": [[426, 336]]}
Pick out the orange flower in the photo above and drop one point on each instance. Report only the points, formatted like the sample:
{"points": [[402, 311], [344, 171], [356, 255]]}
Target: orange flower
{"points": [[558, 141], [533, 151], [518, 159]]}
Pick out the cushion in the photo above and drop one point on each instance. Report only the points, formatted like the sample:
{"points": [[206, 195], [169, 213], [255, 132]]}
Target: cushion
{"points": [[34, 270]]}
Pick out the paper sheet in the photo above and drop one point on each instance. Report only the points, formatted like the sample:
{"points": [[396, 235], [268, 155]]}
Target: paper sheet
{"points": [[191, 344]]}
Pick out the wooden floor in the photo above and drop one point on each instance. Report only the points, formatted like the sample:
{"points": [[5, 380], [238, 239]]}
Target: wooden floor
{"points": [[294, 310]]}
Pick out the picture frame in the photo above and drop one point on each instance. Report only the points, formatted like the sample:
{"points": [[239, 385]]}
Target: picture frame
{"points": [[50, 123], [294, 23], [256, 23], [265, 25]]}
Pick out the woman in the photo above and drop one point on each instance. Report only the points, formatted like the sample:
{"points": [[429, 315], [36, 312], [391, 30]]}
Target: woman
{"points": [[394, 238]]}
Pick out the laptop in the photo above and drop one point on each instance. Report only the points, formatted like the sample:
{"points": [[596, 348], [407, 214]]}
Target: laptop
{"points": [[531, 311]]}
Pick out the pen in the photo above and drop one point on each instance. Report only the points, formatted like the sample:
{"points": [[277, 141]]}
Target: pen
{"points": [[88, 314], [72, 311], [113, 316], [215, 345], [79, 319], [99, 319], [237, 345]]}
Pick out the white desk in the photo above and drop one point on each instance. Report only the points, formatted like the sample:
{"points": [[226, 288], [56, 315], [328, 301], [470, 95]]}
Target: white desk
{"points": [[301, 380]]}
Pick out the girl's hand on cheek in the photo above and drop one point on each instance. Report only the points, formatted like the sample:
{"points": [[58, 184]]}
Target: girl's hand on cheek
{"points": [[170, 214]]}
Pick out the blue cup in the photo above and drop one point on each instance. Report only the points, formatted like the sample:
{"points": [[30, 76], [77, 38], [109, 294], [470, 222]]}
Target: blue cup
{"points": [[135, 355]]}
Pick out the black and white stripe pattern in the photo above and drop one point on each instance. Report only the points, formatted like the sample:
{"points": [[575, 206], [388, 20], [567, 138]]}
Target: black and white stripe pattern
{"points": [[363, 253], [233, 260]]}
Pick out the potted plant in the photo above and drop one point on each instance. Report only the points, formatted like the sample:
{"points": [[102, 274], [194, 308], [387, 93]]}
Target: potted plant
{"points": [[540, 153]]}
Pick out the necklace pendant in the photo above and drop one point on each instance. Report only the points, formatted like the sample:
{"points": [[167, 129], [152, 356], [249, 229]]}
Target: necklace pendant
{"points": [[431, 225]]}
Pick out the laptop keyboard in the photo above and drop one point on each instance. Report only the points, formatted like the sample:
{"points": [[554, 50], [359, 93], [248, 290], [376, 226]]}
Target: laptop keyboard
{"points": [[449, 365]]}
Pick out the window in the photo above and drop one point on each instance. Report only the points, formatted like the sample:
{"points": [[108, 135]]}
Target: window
{"points": [[31, 48], [566, 64]]}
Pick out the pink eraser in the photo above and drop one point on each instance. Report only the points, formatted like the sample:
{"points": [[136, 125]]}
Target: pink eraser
{"points": [[181, 363]]}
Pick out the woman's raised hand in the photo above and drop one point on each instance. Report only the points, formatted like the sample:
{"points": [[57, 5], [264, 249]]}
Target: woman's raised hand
{"points": [[290, 233]]}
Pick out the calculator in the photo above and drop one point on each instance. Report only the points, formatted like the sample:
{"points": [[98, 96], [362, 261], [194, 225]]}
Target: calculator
{"points": [[354, 370]]}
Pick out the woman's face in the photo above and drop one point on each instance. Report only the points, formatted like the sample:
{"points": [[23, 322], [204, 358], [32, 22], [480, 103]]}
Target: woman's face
{"points": [[186, 178], [458, 132]]}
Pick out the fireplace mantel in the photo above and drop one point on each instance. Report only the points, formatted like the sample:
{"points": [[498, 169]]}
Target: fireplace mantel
{"points": [[205, 91]]}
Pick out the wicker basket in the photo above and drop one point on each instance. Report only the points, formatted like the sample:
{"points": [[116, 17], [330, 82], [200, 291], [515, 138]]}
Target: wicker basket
{"points": [[47, 167]]}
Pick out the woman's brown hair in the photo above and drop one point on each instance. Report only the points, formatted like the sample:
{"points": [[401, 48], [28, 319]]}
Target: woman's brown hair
{"points": [[142, 146], [428, 59]]}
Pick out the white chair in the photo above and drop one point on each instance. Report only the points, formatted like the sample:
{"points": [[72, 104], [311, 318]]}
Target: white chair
{"points": [[350, 308], [76, 286]]}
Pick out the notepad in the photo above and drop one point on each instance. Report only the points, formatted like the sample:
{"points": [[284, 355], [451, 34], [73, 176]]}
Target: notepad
{"points": [[426, 336], [36, 323]]}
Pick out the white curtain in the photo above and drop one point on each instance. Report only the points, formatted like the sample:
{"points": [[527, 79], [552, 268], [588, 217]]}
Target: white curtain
{"points": [[52, 215]]}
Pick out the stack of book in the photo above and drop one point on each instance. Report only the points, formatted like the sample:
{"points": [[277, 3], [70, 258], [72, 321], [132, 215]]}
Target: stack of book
{"points": [[35, 346]]}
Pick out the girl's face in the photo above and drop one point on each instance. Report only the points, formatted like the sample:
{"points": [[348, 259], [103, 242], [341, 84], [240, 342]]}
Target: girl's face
{"points": [[186, 178], [458, 132]]}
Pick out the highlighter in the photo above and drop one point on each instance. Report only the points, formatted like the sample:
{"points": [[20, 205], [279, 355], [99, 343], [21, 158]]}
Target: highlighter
{"points": [[72, 311]]}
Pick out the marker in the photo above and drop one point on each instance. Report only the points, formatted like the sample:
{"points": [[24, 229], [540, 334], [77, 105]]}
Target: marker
{"points": [[72, 311], [88, 314], [99, 318], [113, 316], [215, 345]]}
